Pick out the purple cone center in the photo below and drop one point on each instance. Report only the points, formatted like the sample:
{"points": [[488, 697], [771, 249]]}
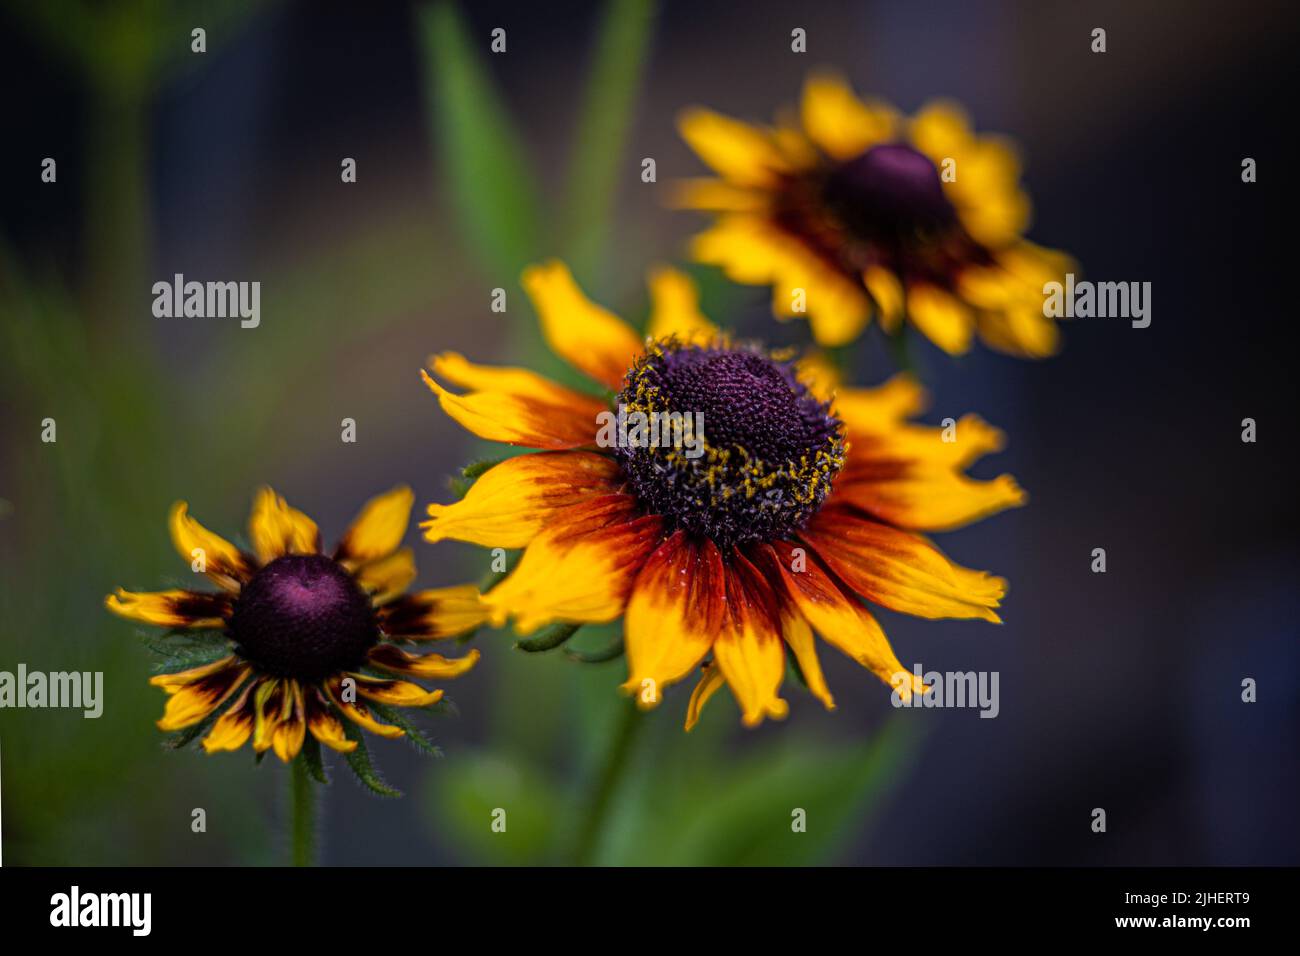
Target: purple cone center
{"points": [[889, 191], [303, 616]]}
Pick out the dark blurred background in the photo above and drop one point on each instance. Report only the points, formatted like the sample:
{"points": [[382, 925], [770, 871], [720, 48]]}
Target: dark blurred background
{"points": [[1118, 690]]}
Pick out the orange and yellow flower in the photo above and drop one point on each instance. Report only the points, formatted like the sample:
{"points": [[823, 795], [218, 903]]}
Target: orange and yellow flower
{"points": [[850, 211], [804, 501], [309, 637]]}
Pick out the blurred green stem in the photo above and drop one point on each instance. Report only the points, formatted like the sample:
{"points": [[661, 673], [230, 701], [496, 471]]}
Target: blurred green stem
{"points": [[303, 809], [602, 795]]}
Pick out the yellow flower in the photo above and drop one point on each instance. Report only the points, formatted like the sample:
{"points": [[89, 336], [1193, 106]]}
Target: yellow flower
{"points": [[799, 504], [306, 631], [868, 212]]}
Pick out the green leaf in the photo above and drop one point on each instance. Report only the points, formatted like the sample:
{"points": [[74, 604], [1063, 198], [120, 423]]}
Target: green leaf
{"points": [[549, 639], [609, 652], [359, 762], [748, 816], [599, 161], [414, 734], [311, 758], [183, 650], [482, 155], [472, 791]]}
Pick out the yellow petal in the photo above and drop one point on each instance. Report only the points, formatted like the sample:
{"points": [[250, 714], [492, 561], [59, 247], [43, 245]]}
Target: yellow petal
{"points": [[385, 580], [191, 701], [326, 727], [512, 501], [171, 608], [675, 308], [941, 130], [581, 568], [268, 704], [879, 409], [941, 317], [429, 666], [887, 292], [588, 337], [673, 615], [540, 421], [357, 712], [1024, 333], [291, 731], [710, 680], [399, 693], [434, 614], [838, 122], [799, 638], [744, 154], [925, 498], [379, 528], [277, 529], [748, 649], [223, 562], [717, 195], [900, 570], [840, 620], [233, 728]]}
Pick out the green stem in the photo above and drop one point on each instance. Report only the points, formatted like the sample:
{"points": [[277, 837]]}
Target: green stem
{"points": [[303, 797], [616, 762]]}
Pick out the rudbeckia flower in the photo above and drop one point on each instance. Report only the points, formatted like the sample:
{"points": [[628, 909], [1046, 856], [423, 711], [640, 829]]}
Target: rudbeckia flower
{"points": [[870, 213], [802, 504], [306, 638]]}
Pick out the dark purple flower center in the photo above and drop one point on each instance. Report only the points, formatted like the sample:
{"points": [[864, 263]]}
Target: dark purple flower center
{"points": [[303, 616], [763, 449], [889, 193]]}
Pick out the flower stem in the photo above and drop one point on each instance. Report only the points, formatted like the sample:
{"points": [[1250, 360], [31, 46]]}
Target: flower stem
{"points": [[303, 808], [616, 762]]}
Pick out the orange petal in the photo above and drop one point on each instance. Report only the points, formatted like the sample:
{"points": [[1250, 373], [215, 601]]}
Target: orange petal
{"points": [[673, 615], [542, 420], [434, 614], [512, 501], [838, 618], [748, 649], [580, 568], [900, 570]]}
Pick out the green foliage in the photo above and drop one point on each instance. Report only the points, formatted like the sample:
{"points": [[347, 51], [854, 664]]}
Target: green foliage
{"points": [[414, 734], [600, 147], [359, 762], [740, 812], [549, 639], [312, 760], [489, 180], [479, 784]]}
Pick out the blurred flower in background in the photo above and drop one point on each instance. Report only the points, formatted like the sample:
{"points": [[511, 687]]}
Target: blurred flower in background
{"points": [[849, 210]]}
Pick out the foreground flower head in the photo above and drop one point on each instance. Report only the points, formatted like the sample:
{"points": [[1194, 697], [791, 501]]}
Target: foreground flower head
{"points": [[868, 212], [307, 637], [797, 506]]}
